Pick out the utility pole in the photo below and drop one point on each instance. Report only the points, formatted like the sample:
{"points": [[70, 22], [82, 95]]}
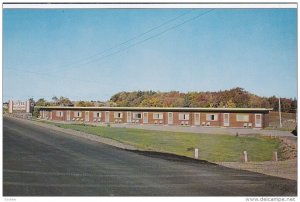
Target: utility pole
{"points": [[279, 109]]}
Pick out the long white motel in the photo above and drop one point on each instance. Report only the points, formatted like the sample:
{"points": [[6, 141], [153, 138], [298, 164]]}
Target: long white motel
{"points": [[201, 117]]}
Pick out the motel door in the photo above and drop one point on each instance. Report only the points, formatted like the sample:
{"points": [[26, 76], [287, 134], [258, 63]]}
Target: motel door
{"points": [[128, 117], [170, 118], [47, 114], [226, 119], [145, 117], [107, 117], [258, 120], [197, 119], [87, 116], [68, 115]]}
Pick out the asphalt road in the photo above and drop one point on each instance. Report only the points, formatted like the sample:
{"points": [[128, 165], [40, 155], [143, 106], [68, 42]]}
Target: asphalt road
{"points": [[43, 162]]}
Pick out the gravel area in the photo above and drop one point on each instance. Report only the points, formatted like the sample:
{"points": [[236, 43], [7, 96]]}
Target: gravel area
{"points": [[284, 169]]}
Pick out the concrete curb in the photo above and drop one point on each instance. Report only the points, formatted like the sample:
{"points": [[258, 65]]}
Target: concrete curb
{"points": [[79, 134]]}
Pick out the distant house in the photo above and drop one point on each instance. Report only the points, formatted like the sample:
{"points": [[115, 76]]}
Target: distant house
{"points": [[202, 117], [5, 105]]}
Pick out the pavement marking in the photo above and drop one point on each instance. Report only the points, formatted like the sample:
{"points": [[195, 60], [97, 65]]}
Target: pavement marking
{"points": [[47, 173], [105, 185], [74, 185], [126, 185], [73, 174]]}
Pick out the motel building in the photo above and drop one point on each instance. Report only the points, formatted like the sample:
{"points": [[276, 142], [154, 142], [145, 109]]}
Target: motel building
{"points": [[200, 117]]}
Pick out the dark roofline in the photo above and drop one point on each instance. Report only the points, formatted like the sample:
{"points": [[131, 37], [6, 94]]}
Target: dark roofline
{"points": [[157, 109]]}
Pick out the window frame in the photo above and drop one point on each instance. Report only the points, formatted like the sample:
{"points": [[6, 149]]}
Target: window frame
{"points": [[76, 114], [95, 115], [59, 113], [134, 115], [118, 113], [243, 120], [212, 114], [184, 116], [160, 115]]}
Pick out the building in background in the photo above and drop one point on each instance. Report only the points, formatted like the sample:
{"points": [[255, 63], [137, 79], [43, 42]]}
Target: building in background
{"points": [[202, 117], [5, 105]]}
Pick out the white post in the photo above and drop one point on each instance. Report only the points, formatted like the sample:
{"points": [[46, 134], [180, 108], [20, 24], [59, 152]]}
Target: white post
{"points": [[27, 103], [245, 156], [275, 156], [279, 109], [10, 106], [196, 153]]}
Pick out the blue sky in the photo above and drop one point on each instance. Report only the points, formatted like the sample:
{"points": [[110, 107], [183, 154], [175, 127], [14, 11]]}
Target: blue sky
{"points": [[60, 52]]}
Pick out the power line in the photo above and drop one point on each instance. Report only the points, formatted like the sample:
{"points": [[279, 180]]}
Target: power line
{"points": [[125, 42], [144, 40], [132, 45]]}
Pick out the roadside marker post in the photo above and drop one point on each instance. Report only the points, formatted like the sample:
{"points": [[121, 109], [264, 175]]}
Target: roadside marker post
{"points": [[275, 154], [196, 153], [245, 156]]}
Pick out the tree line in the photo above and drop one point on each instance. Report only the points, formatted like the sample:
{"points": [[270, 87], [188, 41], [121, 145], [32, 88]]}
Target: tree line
{"points": [[63, 101], [233, 98]]}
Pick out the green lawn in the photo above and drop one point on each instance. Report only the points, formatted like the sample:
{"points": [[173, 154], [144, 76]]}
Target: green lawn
{"points": [[212, 148]]}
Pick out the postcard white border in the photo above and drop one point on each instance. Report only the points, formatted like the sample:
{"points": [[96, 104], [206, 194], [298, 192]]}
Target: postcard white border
{"points": [[144, 5]]}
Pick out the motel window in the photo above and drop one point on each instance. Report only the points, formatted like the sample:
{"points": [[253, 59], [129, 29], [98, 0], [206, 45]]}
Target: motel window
{"points": [[137, 115], [184, 116], [158, 115], [59, 113], [97, 114], [242, 117], [77, 114], [211, 117], [118, 115]]}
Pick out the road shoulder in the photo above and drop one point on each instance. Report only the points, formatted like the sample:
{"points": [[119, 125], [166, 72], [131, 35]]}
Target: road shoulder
{"points": [[79, 134]]}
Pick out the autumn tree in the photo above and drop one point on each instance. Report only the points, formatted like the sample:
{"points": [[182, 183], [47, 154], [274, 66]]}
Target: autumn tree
{"points": [[235, 97], [63, 101], [42, 102], [230, 104], [55, 100]]}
